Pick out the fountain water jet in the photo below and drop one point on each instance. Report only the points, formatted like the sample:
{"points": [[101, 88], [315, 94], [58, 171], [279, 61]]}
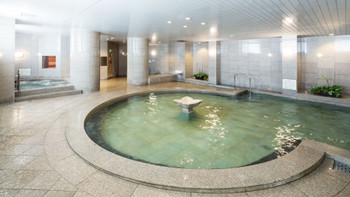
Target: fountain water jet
{"points": [[187, 103]]}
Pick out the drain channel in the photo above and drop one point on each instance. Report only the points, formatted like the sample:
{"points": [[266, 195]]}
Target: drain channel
{"points": [[341, 167]]}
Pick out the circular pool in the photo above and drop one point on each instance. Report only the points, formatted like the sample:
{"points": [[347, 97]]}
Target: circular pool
{"points": [[224, 132]]}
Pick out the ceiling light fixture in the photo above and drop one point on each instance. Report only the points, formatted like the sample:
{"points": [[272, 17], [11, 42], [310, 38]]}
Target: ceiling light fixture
{"points": [[188, 18], [203, 23], [169, 22], [319, 54], [269, 54], [185, 26], [288, 20]]}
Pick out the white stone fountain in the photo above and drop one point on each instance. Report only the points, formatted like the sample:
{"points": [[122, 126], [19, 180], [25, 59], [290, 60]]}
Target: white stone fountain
{"points": [[187, 103]]}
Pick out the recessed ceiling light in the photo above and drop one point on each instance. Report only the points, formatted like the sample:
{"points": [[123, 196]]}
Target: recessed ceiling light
{"points": [[203, 23], [331, 34], [188, 18], [212, 30], [269, 54], [288, 20], [28, 15], [169, 22], [185, 26]]}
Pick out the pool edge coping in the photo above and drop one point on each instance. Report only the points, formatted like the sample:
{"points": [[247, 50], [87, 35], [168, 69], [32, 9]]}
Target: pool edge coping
{"points": [[304, 159]]}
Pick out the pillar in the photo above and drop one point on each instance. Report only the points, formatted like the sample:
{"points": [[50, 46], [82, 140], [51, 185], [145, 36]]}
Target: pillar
{"points": [[85, 60], [138, 67], [214, 62], [289, 65], [7, 60], [188, 70]]}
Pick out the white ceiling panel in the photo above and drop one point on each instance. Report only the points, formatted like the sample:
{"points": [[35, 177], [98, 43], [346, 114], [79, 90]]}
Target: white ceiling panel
{"points": [[233, 19]]}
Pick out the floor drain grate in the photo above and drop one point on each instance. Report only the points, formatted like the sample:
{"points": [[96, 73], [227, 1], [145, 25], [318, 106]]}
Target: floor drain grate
{"points": [[341, 167]]}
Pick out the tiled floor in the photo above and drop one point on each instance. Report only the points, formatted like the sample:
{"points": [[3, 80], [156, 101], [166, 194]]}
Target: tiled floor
{"points": [[36, 160]]}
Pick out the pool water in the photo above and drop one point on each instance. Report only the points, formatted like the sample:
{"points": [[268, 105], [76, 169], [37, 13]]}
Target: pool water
{"points": [[224, 132], [27, 85]]}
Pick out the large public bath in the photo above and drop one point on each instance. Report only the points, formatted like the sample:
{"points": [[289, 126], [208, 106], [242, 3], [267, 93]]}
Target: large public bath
{"points": [[223, 132]]}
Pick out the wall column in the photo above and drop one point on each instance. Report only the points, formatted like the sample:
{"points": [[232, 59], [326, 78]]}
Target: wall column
{"points": [[289, 65], [138, 67], [214, 62], [7, 60], [85, 60]]}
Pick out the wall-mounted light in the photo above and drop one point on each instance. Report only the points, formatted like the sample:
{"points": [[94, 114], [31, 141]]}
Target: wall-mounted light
{"points": [[123, 53], [154, 37], [19, 54], [319, 54], [269, 54], [153, 53], [179, 72], [212, 30], [1, 54], [212, 52], [288, 51]]}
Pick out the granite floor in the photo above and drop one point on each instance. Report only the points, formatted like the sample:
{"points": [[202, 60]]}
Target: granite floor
{"points": [[36, 160]]}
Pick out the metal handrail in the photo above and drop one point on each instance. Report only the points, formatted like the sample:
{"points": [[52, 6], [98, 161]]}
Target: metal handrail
{"points": [[248, 76], [245, 74]]}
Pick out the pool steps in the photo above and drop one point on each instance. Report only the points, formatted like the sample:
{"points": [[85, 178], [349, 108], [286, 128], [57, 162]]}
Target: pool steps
{"points": [[42, 93]]}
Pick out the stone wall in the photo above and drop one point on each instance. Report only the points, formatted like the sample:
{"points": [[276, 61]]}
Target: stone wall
{"points": [[259, 58], [328, 56], [34, 46]]}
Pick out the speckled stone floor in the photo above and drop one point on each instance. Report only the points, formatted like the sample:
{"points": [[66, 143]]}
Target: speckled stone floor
{"points": [[36, 160]]}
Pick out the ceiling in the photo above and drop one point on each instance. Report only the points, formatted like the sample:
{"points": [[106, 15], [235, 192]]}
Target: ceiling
{"points": [[224, 19]]}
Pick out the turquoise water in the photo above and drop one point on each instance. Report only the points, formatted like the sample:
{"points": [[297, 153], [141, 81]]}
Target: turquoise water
{"points": [[223, 132], [27, 85]]}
